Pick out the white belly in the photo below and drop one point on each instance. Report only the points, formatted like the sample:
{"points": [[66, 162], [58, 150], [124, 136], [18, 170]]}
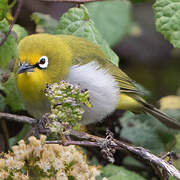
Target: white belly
{"points": [[103, 90]]}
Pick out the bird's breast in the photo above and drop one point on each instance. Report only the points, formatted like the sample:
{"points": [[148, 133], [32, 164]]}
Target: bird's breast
{"points": [[103, 89]]}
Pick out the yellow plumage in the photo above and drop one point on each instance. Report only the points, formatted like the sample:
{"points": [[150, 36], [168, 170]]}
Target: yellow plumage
{"points": [[64, 51]]}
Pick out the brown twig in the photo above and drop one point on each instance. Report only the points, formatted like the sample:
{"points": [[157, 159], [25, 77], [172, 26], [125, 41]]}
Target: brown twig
{"points": [[72, 1], [91, 140], [70, 142], [17, 118], [12, 23]]}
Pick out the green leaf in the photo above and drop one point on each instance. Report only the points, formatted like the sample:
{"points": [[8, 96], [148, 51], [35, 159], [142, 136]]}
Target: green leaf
{"points": [[3, 9], [44, 22], [175, 113], [146, 131], [76, 21], [130, 161], [172, 178], [12, 97], [26, 128], [2, 102], [144, 92], [178, 141], [113, 172], [20, 31], [8, 50], [113, 25], [167, 17]]}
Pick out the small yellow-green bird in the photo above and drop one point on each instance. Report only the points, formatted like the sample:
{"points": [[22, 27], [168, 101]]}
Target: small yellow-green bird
{"points": [[45, 58]]}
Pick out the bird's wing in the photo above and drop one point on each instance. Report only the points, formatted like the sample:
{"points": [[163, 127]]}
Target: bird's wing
{"points": [[84, 52], [126, 84]]}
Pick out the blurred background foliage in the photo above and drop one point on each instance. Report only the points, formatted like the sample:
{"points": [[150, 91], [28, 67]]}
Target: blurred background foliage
{"points": [[128, 27]]}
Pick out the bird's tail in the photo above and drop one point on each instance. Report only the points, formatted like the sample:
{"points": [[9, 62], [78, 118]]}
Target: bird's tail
{"points": [[162, 117]]}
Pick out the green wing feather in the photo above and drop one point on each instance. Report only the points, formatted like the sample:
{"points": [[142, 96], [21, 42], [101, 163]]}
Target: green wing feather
{"points": [[85, 51]]}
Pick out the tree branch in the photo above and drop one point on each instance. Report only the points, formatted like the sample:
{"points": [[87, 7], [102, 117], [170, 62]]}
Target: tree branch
{"points": [[95, 141], [12, 23], [91, 140], [70, 142], [150, 158], [17, 118]]}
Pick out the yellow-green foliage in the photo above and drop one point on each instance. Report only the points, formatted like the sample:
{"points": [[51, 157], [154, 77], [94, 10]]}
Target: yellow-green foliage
{"points": [[45, 161], [8, 50], [20, 32], [4, 8]]}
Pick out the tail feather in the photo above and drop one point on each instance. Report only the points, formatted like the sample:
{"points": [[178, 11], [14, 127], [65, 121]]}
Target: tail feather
{"points": [[162, 117]]}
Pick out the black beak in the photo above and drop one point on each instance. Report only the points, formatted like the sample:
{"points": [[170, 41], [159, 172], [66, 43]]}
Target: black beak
{"points": [[25, 67]]}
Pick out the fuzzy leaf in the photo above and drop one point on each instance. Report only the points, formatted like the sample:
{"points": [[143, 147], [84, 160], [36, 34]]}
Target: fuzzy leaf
{"points": [[3, 9], [8, 50], [12, 98], [113, 25], [144, 92], [13, 140], [20, 31], [167, 17], [113, 172], [44, 23], [146, 131], [178, 141], [130, 161], [76, 21], [175, 113]]}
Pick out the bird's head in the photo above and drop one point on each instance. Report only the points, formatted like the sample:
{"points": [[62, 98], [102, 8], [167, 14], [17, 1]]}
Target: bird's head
{"points": [[43, 58]]}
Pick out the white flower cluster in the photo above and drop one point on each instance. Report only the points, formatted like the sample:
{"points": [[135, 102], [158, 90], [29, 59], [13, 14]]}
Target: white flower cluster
{"points": [[45, 161]]}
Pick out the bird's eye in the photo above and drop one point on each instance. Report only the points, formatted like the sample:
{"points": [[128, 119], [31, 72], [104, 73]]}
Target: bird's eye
{"points": [[43, 62]]}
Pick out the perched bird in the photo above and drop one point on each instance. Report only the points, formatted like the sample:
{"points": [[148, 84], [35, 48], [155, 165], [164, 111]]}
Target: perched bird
{"points": [[45, 58]]}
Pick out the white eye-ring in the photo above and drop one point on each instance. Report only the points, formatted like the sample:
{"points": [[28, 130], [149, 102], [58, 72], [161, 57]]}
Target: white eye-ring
{"points": [[43, 62], [19, 63]]}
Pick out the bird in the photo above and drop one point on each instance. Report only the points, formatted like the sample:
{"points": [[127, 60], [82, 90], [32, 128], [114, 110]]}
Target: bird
{"points": [[46, 58]]}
